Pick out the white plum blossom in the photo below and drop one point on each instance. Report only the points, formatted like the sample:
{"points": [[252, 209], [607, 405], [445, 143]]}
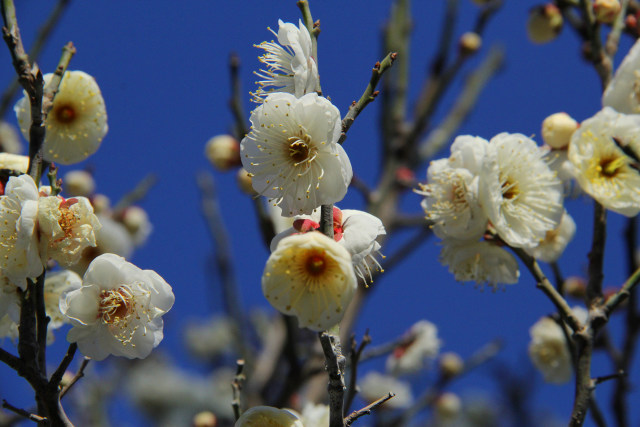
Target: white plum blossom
{"points": [[480, 262], [623, 91], [290, 66], [67, 227], [422, 343], [555, 241], [19, 257], [76, 123], [356, 230], [292, 153], [8, 328], [9, 299], [602, 167], [263, 416], [117, 310], [519, 193], [310, 276], [55, 284], [315, 415], [14, 162], [9, 140], [548, 348]]}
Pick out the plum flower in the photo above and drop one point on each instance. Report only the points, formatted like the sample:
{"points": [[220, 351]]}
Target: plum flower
{"points": [[55, 284], [310, 276], [519, 193], [117, 310], [19, 257], [422, 343], [555, 241], [480, 262], [292, 153], [77, 122], [356, 230], [67, 228], [290, 66], [268, 416], [623, 91], [602, 167]]}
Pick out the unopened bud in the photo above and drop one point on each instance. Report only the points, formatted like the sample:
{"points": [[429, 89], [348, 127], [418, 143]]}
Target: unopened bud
{"points": [[469, 43], [244, 182], [9, 139], [205, 419], [79, 183], [223, 151], [575, 287], [451, 365], [136, 221], [631, 23], [544, 24], [557, 130], [606, 11], [448, 406], [67, 377], [100, 203]]}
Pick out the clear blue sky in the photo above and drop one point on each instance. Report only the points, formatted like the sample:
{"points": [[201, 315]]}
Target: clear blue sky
{"points": [[162, 68]]}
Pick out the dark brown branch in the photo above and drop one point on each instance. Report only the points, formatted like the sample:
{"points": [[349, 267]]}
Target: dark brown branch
{"points": [[235, 102], [54, 381], [354, 358], [335, 362]]}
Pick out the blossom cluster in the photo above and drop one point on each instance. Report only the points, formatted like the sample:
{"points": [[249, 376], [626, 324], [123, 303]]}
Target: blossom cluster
{"points": [[485, 195], [113, 306], [293, 158]]}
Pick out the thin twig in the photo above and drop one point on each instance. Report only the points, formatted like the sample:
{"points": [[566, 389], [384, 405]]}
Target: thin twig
{"points": [[55, 379], [596, 255], [34, 53], [366, 410], [368, 96], [618, 298], [465, 102], [26, 414], [138, 193], [545, 285], [235, 102], [79, 374], [354, 356], [236, 387]]}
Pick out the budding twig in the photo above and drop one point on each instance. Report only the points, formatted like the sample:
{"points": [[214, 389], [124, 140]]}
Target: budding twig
{"points": [[366, 410]]}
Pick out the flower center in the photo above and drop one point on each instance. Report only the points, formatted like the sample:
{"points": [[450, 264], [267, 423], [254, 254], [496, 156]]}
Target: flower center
{"points": [[316, 264], [65, 114], [300, 148], [67, 218], [510, 189], [610, 167], [115, 305]]}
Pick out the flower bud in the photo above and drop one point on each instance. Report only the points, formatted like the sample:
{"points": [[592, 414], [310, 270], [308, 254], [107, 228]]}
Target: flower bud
{"points": [[79, 183], [223, 151], [205, 419], [606, 11], [244, 182], [544, 24], [9, 141], [469, 43], [451, 365], [448, 406], [101, 203], [557, 130], [136, 221], [575, 287]]}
